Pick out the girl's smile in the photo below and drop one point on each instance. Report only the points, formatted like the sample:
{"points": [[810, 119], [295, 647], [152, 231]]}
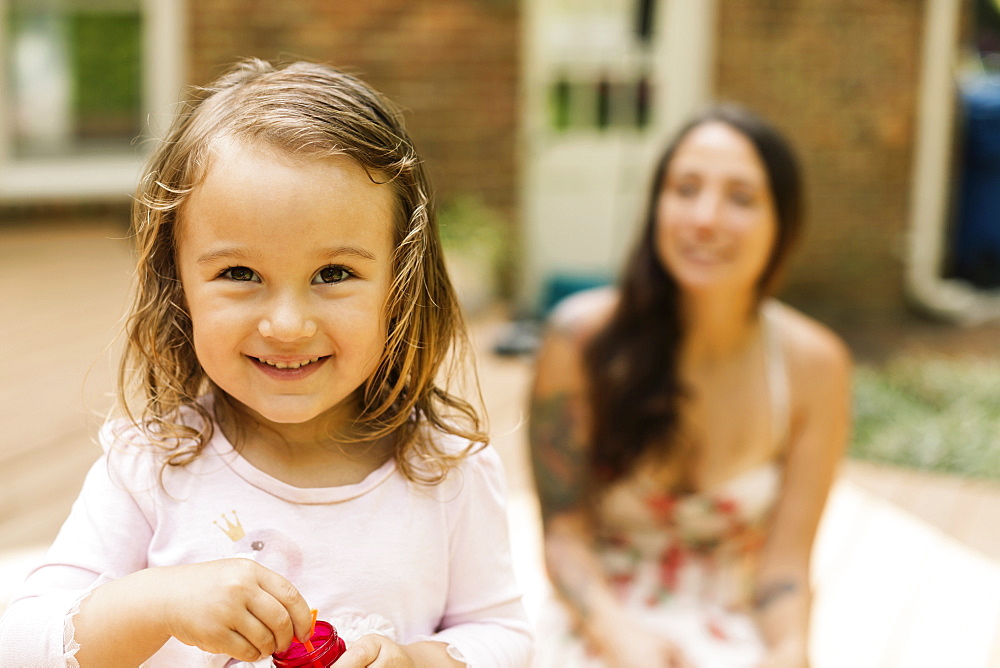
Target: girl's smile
{"points": [[286, 262], [289, 369]]}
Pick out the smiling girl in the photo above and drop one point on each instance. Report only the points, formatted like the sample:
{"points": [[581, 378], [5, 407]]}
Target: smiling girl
{"points": [[294, 448]]}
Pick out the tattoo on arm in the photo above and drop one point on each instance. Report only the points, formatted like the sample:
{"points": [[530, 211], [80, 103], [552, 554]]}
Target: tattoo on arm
{"points": [[557, 453], [772, 591], [559, 458]]}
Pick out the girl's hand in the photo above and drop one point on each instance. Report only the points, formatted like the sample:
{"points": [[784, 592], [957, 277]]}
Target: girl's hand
{"points": [[380, 652], [234, 607]]}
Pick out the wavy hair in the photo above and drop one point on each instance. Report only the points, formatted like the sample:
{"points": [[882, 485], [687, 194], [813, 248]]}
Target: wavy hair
{"points": [[313, 110], [632, 363]]}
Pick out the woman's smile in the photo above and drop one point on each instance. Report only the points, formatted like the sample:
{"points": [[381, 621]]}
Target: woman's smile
{"points": [[700, 254]]}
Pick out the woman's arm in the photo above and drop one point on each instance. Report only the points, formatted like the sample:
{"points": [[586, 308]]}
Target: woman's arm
{"points": [[558, 433], [819, 369], [558, 437]]}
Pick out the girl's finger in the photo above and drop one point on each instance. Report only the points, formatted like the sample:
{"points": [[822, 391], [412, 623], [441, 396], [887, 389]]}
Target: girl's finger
{"points": [[285, 593], [256, 633], [273, 615], [235, 645], [360, 654]]}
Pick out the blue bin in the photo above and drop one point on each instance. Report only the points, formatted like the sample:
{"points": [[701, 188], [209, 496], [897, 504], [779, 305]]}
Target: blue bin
{"points": [[977, 230]]}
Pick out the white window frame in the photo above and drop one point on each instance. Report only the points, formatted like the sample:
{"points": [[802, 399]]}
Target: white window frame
{"points": [[111, 176], [948, 299]]}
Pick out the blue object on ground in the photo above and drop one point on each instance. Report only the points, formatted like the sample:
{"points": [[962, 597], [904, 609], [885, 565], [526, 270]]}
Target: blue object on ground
{"points": [[977, 230], [560, 286], [523, 336]]}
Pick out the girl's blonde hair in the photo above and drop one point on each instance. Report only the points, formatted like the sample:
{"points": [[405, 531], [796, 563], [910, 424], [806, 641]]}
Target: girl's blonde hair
{"points": [[312, 110]]}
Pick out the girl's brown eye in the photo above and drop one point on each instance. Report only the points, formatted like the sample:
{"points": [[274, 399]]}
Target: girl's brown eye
{"points": [[332, 274], [239, 274]]}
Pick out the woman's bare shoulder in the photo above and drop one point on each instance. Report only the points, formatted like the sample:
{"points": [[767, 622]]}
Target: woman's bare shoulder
{"points": [[559, 366], [580, 315], [814, 351]]}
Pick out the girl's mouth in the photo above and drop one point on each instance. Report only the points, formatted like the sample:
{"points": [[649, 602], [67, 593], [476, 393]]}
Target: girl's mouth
{"points": [[288, 369], [288, 365]]}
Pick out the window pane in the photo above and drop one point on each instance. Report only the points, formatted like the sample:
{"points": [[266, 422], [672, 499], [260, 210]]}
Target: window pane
{"points": [[74, 70], [106, 58]]}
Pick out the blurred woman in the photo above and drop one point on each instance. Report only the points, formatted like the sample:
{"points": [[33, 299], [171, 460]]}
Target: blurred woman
{"points": [[686, 426]]}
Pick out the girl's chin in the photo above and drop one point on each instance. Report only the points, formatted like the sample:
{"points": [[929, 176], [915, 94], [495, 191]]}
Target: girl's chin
{"points": [[292, 416]]}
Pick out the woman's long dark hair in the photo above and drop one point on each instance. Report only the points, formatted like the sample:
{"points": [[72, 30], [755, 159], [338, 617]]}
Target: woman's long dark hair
{"points": [[632, 363]]}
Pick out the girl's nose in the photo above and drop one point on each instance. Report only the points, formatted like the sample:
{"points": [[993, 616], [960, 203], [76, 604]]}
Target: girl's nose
{"points": [[287, 320]]}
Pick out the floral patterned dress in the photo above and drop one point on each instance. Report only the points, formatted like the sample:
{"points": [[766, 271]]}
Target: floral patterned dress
{"points": [[684, 564]]}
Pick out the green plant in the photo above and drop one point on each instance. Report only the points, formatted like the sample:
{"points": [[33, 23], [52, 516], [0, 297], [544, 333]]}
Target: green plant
{"points": [[930, 413], [476, 234], [465, 222]]}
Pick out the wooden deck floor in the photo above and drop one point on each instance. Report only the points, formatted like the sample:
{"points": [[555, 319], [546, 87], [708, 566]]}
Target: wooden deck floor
{"points": [[907, 566]]}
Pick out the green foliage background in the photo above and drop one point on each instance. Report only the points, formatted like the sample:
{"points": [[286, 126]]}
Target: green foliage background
{"points": [[930, 413], [106, 56]]}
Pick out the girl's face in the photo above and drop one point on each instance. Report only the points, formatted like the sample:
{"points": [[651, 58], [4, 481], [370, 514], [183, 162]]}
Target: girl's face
{"points": [[285, 263], [715, 221]]}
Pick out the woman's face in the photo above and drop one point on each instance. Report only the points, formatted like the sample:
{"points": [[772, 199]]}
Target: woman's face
{"points": [[715, 219]]}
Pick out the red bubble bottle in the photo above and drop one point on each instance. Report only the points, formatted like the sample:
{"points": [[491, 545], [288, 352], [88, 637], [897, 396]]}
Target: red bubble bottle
{"points": [[320, 651]]}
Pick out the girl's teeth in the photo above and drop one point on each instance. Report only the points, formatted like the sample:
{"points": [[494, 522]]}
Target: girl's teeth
{"points": [[289, 365]]}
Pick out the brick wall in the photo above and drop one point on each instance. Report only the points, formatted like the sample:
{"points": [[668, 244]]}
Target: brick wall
{"points": [[452, 64], [840, 77]]}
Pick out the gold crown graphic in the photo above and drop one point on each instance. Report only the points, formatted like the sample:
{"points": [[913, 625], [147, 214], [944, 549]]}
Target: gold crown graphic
{"points": [[232, 529]]}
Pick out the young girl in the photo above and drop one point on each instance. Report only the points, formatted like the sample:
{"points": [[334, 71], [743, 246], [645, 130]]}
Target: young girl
{"points": [[294, 449]]}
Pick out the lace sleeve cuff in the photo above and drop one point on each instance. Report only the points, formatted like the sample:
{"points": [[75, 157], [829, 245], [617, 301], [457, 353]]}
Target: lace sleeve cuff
{"points": [[70, 645]]}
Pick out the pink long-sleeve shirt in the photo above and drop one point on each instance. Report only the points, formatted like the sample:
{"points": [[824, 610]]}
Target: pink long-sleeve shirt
{"points": [[411, 561]]}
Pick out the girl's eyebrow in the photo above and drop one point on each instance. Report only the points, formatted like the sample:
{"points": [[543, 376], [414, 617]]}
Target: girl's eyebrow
{"points": [[236, 253], [338, 251], [223, 254]]}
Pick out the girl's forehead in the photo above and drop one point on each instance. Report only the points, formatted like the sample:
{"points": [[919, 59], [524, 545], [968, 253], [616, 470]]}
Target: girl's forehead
{"points": [[234, 163], [252, 189], [229, 149]]}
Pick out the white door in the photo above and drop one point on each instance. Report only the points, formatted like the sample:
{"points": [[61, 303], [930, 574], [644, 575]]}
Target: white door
{"points": [[605, 82]]}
